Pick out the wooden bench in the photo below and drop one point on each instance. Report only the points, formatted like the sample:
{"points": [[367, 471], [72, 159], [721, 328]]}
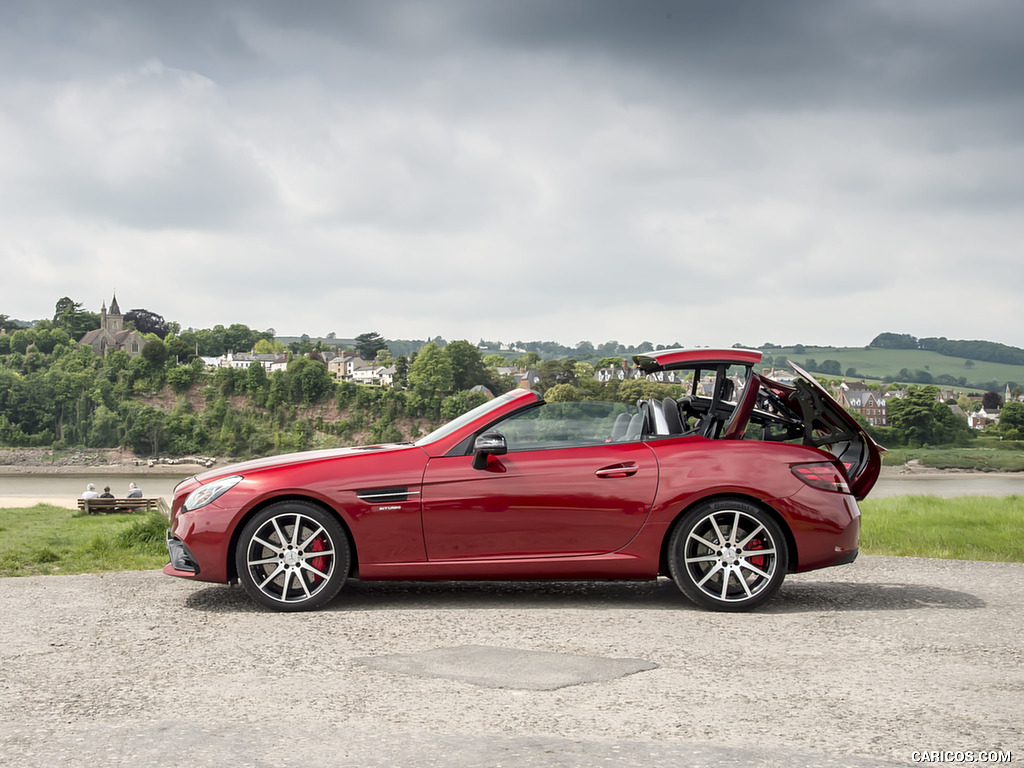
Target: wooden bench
{"points": [[96, 506]]}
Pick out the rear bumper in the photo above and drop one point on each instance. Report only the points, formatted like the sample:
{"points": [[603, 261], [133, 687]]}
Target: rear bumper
{"points": [[826, 527]]}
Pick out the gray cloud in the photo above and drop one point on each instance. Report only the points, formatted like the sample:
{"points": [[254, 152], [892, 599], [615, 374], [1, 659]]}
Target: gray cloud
{"points": [[709, 173]]}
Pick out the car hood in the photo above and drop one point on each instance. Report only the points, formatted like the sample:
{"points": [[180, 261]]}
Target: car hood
{"points": [[293, 459]]}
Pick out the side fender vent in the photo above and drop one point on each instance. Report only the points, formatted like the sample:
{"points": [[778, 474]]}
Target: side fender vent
{"points": [[384, 495]]}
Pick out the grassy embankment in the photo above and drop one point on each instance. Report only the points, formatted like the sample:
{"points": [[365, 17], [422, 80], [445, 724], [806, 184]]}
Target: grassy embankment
{"points": [[1006, 458], [44, 540]]}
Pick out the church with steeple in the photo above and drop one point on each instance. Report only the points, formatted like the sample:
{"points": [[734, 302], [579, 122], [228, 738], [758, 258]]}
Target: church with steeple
{"points": [[111, 334]]}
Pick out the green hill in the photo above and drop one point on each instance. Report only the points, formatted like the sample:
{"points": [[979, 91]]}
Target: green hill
{"points": [[873, 363]]}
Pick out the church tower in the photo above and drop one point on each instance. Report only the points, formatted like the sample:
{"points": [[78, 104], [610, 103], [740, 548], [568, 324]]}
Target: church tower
{"points": [[111, 320]]}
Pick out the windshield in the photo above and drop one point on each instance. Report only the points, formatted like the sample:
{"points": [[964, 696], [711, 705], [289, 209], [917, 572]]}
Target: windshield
{"points": [[459, 422]]}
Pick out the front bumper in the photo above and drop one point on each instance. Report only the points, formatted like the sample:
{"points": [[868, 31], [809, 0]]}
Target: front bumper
{"points": [[182, 562]]}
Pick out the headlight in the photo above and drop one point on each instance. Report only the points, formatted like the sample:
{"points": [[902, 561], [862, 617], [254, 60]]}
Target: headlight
{"points": [[200, 497]]}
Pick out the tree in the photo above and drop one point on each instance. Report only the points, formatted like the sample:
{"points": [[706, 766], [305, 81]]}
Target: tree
{"points": [[147, 429], [21, 340], [155, 353], [1011, 419], [495, 361], [316, 381], [612, 361], [915, 418], [401, 372], [467, 368], [585, 350], [564, 393], [991, 400], [432, 370], [178, 348], [632, 390], [554, 372], [179, 378], [431, 379], [528, 360], [69, 315], [455, 405], [147, 322], [268, 347], [256, 377], [369, 344], [894, 341], [584, 371]]}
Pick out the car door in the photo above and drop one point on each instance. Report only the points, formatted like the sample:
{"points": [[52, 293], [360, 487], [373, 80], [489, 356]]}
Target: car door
{"points": [[563, 489], [542, 503]]}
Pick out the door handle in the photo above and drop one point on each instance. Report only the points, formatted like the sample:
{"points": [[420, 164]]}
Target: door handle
{"points": [[618, 470]]}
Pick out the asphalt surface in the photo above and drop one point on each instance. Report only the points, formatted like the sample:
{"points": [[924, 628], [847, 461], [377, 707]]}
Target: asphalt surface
{"points": [[863, 665]]}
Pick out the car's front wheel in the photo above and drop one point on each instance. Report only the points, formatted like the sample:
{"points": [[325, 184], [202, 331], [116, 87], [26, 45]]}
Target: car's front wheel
{"points": [[728, 555], [292, 556]]}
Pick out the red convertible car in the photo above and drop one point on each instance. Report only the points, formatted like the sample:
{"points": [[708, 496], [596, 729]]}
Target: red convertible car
{"points": [[725, 489]]}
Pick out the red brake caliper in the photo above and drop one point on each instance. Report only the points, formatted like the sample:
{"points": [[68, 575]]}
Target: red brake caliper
{"points": [[758, 561], [320, 563]]}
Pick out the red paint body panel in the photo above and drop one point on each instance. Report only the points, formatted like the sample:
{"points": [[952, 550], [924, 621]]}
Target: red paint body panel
{"points": [[667, 359], [387, 532], [508, 509]]}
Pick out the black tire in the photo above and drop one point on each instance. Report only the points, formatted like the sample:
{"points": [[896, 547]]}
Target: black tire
{"points": [[293, 556], [728, 555]]}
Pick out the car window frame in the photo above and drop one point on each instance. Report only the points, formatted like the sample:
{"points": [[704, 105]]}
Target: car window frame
{"points": [[495, 426]]}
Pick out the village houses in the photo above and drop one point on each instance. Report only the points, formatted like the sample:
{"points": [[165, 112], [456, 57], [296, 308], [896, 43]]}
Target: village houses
{"points": [[866, 402]]}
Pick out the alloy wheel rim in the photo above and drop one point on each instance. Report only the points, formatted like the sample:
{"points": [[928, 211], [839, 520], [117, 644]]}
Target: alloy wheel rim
{"points": [[291, 558], [730, 556]]}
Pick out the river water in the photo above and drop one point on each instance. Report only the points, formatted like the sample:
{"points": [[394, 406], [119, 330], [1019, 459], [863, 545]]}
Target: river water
{"points": [[70, 486], [950, 484], [66, 488]]}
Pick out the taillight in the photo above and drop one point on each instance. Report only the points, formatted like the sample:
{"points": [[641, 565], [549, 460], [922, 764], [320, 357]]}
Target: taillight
{"points": [[823, 475]]}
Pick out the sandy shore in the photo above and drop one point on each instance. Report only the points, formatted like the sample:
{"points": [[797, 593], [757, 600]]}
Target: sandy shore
{"points": [[18, 502], [159, 470], [29, 461]]}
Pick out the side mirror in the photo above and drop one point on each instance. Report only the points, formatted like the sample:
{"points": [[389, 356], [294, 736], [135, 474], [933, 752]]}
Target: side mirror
{"points": [[488, 444]]}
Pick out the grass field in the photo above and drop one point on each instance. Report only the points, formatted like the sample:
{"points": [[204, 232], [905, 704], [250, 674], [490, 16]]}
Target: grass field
{"points": [[876, 363], [44, 540], [960, 528]]}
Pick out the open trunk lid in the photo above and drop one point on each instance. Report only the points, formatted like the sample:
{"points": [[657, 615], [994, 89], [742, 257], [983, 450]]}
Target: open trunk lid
{"points": [[827, 425]]}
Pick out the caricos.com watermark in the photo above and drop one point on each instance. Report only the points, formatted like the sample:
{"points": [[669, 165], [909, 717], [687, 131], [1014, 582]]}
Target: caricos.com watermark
{"points": [[961, 756]]}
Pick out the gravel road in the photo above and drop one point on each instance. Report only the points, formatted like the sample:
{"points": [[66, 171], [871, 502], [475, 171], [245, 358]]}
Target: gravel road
{"points": [[862, 665]]}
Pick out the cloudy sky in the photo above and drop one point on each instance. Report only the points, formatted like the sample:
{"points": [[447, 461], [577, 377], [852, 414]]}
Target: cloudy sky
{"points": [[706, 173]]}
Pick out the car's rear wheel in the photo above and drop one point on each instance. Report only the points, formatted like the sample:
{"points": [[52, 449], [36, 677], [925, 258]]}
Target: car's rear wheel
{"points": [[728, 555], [292, 556]]}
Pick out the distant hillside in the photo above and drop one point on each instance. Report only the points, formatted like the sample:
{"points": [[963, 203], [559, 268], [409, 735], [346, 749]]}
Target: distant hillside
{"points": [[969, 365], [904, 365], [972, 349]]}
